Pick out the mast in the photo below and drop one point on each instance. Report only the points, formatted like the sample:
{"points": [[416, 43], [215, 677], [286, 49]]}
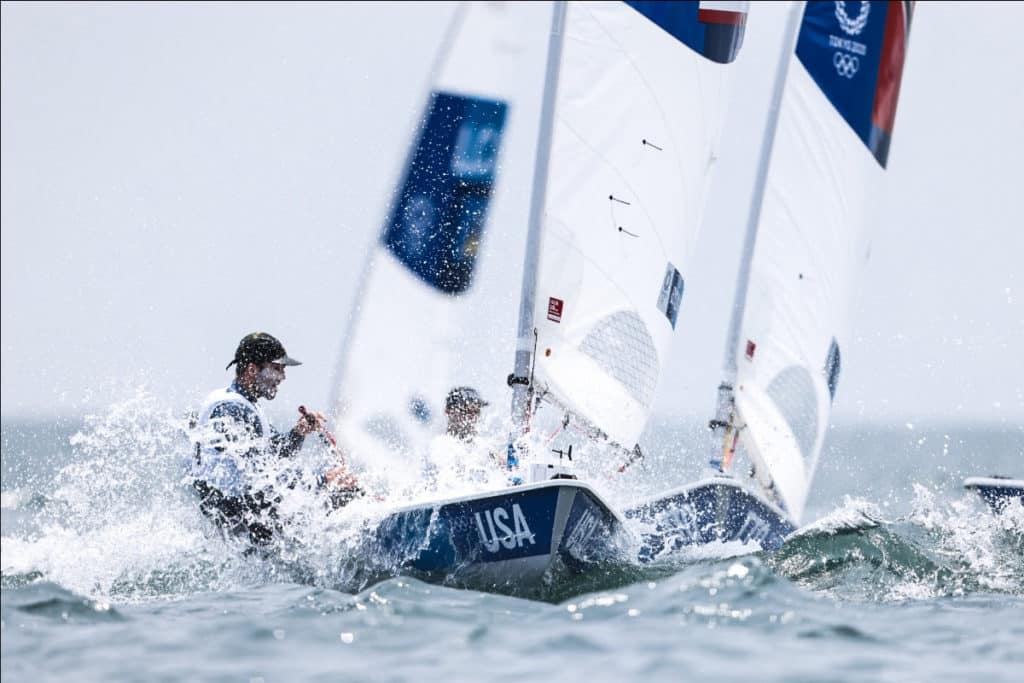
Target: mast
{"points": [[520, 378], [725, 412]]}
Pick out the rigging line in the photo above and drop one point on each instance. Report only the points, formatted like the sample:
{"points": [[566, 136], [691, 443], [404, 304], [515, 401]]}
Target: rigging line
{"points": [[529, 384], [553, 435]]}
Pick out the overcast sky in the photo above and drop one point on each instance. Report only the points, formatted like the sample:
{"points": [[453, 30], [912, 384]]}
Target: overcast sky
{"points": [[150, 150]]}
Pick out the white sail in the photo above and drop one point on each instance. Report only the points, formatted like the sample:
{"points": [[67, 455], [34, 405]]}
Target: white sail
{"points": [[827, 165], [438, 287], [641, 94]]}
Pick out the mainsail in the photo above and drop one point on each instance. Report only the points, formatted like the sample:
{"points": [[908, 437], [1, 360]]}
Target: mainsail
{"points": [[422, 304], [796, 289], [642, 88]]}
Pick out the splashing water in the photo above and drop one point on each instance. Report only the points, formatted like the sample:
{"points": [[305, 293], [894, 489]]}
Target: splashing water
{"points": [[115, 521], [937, 550], [119, 521]]}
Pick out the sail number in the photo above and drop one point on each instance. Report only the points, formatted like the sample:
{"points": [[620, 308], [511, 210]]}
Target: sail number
{"points": [[585, 528]]}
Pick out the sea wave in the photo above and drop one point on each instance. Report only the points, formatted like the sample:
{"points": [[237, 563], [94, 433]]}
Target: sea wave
{"points": [[50, 601], [940, 549]]}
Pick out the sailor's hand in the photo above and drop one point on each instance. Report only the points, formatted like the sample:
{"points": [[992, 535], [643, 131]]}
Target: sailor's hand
{"points": [[341, 478], [310, 422], [635, 456]]}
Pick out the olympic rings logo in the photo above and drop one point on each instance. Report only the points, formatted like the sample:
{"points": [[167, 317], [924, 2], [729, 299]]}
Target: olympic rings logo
{"points": [[846, 65]]}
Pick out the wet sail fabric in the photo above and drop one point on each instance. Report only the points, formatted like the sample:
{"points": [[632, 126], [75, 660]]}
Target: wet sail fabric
{"points": [[437, 288], [641, 96], [826, 170]]}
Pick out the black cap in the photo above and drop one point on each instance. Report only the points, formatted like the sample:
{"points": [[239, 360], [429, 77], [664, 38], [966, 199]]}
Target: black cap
{"points": [[463, 396], [260, 347]]}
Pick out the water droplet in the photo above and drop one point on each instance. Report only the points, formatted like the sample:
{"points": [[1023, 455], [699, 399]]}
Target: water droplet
{"points": [[738, 570]]}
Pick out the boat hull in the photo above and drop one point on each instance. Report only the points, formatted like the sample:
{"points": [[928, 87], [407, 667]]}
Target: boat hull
{"points": [[512, 540], [998, 492], [717, 510]]}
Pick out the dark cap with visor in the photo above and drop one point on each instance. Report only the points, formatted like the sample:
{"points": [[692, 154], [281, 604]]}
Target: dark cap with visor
{"points": [[461, 397], [259, 348]]}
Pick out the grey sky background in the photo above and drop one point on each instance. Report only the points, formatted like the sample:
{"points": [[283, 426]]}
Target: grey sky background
{"points": [[152, 153]]}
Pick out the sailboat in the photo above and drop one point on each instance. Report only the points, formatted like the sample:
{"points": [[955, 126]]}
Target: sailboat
{"points": [[822, 163], [998, 491], [633, 99], [434, 283]]}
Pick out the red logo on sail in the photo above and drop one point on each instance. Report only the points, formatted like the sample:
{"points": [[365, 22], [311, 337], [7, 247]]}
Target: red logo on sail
{"points": [[555, 309], [751, 347]]}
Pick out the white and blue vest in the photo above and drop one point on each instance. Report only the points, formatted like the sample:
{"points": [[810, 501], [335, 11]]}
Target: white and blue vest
{"points": [[228, 449]]}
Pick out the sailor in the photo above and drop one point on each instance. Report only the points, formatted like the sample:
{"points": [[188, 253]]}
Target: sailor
{"points": [[238, 455], [460, 451], [462, 407]]}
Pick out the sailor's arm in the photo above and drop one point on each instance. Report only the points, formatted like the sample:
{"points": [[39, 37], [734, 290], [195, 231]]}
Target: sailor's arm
{"points": [[287, 444]]}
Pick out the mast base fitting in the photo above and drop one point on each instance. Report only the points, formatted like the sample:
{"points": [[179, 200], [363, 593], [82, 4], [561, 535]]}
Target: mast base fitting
{"points": [[513, 380]]}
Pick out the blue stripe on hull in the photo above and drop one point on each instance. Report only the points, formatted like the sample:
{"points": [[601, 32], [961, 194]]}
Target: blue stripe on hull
{"points": [[712, 512]]}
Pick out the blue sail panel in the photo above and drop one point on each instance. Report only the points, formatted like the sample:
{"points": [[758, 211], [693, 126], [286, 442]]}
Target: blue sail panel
{"points": [[705, 27], [854, 51], [438, 219]]}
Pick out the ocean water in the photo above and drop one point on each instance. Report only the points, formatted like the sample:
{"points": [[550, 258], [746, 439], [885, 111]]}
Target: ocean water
{"points": [[109, 573]]}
